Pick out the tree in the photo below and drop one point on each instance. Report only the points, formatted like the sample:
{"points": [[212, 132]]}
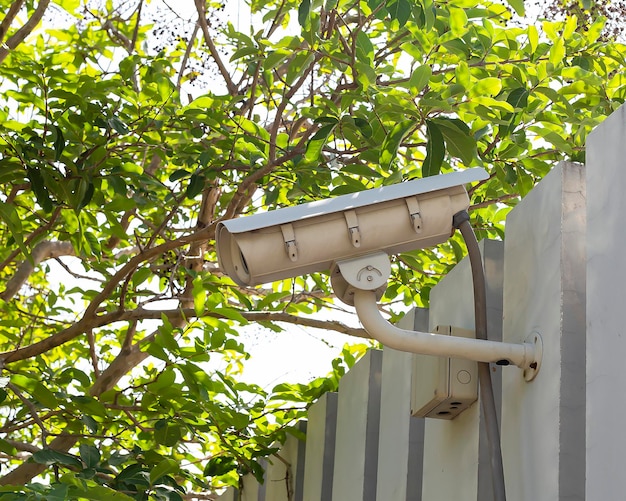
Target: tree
{"points": [[127, 133]]}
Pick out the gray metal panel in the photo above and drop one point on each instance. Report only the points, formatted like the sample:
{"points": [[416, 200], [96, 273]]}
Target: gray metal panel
{"points": [[415, 470], [354, 200], [356, 450], [320, 449], [401, 437], [606, 334], [451, 448], [372, 429], [263, 486], [300, 465], [329, 446], [493, 259]]}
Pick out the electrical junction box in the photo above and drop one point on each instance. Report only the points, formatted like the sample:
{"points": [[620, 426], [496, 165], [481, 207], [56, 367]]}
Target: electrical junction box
{"points": [[443, 387]]}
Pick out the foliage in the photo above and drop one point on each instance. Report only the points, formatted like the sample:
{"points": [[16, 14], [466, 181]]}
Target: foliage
{"points": [[119, 332], [587, 12]]}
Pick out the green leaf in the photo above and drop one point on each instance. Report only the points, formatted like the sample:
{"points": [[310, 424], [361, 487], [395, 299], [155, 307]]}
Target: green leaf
{"points": [[318, 141], [165, 467], [89, 490], [244, 51], [165, 380], [195, 186], [44, 396], [58, 492], [304, 12], [489, 86], [430, 14], [420, 78], [90, 423], [364, 126], [366, 75], [557, 52], [39, 188], [518, 98], [88, 193], [458, 21], [132, 168], [459, 141], [435, 150], [89, 405], [518, 6], [92, 244], [50, 456], [391, 143], [199, 295], [275, 57], [570, 27], [7, 448], [364, 48], [179, 174], [219, 465], [89, 455], [9, 215], [533, 37], [399, 10], [166, 433], [59, 143], [230, 313], [554, 138], [119, 126], [140, 276]]}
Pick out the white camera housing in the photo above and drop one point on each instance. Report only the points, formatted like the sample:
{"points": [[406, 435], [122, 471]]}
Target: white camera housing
{"points": [[310, 237]]}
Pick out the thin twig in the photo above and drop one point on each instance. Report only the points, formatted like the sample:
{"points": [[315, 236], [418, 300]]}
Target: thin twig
{"points": [[183, 63], [33, 411], [92, 352], [201, 8]]}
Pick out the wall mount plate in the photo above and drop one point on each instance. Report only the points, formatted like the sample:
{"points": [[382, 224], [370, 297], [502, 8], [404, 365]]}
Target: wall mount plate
{"points": [[531, 372]]}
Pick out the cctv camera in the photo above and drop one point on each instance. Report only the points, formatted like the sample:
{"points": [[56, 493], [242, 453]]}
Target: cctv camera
{"points": [[310, 237]]}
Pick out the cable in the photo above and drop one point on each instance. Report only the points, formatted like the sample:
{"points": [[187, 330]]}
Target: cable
{"points": [[461, 221]]}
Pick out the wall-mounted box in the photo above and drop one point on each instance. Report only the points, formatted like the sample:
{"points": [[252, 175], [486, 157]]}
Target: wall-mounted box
{"points": [[443, 387]]}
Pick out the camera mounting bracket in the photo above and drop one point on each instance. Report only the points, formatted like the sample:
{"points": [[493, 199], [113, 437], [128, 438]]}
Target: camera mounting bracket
{"points": [[369, 272], [361, 282]]}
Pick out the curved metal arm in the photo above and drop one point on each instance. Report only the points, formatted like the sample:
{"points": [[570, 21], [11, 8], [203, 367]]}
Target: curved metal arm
{"points": [[523, 355]]}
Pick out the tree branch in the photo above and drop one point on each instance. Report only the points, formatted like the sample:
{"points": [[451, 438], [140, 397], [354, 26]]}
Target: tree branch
{"points": [[283, 105], [26, 471], [183, 63], [44, 250], [31, 237], [32, 409], [19, 36], [251, 316], [487, 203], [89, 319], [230, 85], [9, 17], [173, 316]]}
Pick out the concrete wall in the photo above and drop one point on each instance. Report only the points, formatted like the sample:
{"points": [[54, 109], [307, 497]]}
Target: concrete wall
{"points": [[543, 421], [606, 304]]}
